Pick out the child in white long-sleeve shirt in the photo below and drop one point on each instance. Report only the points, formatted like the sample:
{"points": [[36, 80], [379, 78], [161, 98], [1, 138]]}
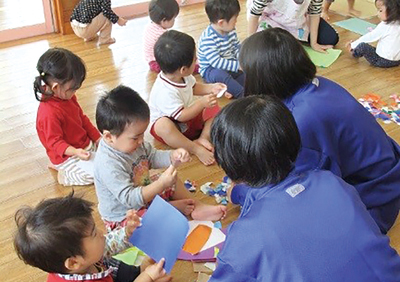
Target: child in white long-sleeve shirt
{"points": [[387, 33]]}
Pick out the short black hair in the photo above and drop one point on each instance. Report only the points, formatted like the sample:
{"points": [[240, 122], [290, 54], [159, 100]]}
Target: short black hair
{"points": [[275, 63], [174, 50], [392, 10], [119, 108], [163, 10], [256, 140], [52, 232], [222, 9], [58, 65]]}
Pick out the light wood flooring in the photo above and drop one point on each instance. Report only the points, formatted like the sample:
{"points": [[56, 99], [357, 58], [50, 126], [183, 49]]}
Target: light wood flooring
{"points": [[24, 176]]}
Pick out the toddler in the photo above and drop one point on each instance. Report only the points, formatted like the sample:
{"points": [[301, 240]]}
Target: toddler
{"points": [[162, 14], [308, 226], [60, 237], [176, 118], [64, 130], [387, 33], [90, 17], [219, 46], [123, 161]]}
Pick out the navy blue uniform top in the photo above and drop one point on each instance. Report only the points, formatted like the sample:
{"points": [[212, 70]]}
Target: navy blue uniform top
{"points": [[339, 135], [310, 227]]}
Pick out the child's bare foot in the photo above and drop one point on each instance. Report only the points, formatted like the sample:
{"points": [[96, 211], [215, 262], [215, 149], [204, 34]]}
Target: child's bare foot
{"points": [[185, 206], [208, 212], [91, 38], [205, 143], [204, 155], [109, 41], [354, 13]]}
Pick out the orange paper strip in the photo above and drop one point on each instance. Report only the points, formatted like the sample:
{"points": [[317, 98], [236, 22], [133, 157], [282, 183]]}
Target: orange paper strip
{"points": [[196, 239]]}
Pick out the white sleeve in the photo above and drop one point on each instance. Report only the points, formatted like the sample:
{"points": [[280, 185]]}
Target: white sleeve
{"points": [[372, 36]]}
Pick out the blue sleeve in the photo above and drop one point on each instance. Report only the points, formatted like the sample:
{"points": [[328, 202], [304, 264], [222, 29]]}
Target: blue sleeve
{"points": [[225, 272], [238, 194]]}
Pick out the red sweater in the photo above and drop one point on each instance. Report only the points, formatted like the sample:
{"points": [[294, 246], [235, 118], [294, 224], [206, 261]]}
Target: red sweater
{"points": [[62, 123]]}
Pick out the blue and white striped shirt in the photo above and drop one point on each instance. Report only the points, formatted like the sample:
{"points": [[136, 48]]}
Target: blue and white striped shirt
{"points": [[218, 51]]}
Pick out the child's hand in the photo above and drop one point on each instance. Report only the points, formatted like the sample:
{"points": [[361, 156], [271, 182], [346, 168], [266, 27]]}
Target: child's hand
{"points": [[348, 45], [217, 87], [121, 21], [156, 271], [179, 156], [210, 100], [168, 177], [320, 48], [82, 154], [132, 222]]}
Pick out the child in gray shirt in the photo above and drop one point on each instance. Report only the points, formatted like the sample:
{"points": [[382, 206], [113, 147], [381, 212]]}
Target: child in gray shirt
{"points": [[123, 161]]}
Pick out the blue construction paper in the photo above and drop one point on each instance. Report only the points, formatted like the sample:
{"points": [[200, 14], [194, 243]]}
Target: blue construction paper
{"points": [[356, 25], [162, 234]]}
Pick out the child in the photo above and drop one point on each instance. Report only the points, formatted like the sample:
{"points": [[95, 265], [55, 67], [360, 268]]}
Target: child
{"points": [[355, 149], [176, 118], [63, 129], [60, 237], [308, 226], [328, 3], [387, 33], [162, 14], [123, 161], [90, 17], [219, 46]]}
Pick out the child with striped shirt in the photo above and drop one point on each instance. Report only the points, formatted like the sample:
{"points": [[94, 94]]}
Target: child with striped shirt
{"points": [[219, 47], [162, 14]]}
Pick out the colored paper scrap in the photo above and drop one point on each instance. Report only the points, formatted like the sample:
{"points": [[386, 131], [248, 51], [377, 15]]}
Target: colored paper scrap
{"points": [[356, 25], [323, 59], [381, 110], [129, 256], [197, 239], [162, 234]]}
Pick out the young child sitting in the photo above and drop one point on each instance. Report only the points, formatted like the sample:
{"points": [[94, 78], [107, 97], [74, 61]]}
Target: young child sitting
{"points": [[123, 161], [64, 130], [60, 237], [90, 17], [162, 15], [176, 118], [308, 226], [219, 46], [387, 33]]}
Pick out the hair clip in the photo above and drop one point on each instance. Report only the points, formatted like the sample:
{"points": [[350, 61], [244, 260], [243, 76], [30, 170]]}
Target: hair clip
{"points": [[42, 73]]}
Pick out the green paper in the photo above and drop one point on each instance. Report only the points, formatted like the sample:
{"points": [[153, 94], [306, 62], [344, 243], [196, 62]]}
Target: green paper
{"points": [[356, 25], [323, 59], [129, 256]]}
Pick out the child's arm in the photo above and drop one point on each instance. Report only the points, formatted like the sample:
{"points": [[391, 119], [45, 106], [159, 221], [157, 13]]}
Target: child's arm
{"points": [[371, 36], [191, 112], [118, 239], [157, 158], [109, 13]]}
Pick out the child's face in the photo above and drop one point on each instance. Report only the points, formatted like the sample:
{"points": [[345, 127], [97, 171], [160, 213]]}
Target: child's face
{"points": [[131, 138], [93, 248], [381, 10], [228, 26], [165, 24], [63, 91]]}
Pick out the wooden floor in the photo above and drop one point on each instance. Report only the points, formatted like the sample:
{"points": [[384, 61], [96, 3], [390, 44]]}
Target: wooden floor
{"points": [[24, 177]]}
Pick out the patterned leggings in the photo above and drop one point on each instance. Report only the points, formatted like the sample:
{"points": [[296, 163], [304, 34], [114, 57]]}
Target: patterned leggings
{"points": [[369, 53]]}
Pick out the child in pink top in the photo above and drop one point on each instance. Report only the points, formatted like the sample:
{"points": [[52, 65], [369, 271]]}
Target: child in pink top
{"points": [[162, 14]]}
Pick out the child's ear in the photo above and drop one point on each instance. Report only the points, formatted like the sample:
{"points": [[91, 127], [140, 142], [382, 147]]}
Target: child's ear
{"points": [[108, 137], [183, 70], [74, 264], [221, 22], [55, 86]]}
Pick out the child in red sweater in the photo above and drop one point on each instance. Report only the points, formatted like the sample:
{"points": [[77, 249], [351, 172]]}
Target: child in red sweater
{"points": [[64, 130]]}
